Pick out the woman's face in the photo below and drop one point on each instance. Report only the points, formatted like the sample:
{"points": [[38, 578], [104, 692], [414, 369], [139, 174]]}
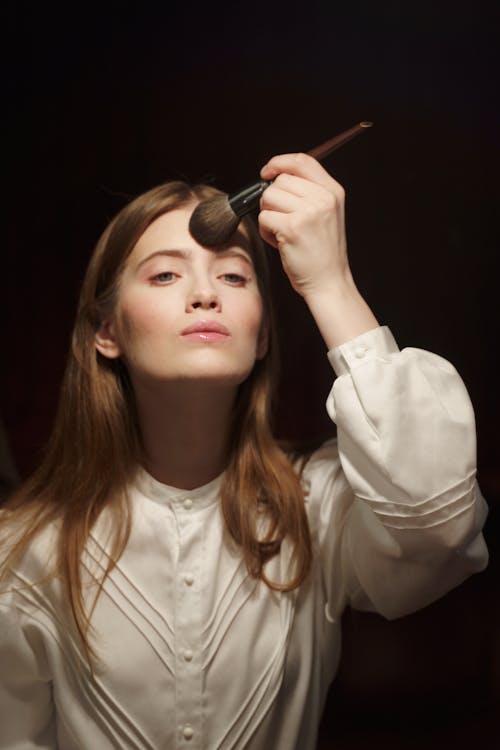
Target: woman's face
{"points": [[185, 312]]}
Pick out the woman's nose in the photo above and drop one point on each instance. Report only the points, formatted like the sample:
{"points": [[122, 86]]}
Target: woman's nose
{"points": [[204, 300]]}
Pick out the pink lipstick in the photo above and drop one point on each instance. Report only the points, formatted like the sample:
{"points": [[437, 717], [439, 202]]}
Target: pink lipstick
{"points": [[206, 331]]}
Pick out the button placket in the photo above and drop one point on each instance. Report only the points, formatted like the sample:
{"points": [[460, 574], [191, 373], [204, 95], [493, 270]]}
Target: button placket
{"points": [[188, 625]]}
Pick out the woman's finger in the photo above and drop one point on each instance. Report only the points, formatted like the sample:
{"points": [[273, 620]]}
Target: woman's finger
{"points": [[272, 226], [290, 193], [276, 199], [302, 187], [300, 165]]}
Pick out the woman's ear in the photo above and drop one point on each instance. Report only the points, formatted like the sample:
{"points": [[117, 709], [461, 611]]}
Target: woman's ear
{"points": [[263, 341], [106, 342]]}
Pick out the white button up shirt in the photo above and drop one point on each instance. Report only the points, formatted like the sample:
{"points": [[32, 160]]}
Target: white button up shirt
{"points": [[195, 653]]}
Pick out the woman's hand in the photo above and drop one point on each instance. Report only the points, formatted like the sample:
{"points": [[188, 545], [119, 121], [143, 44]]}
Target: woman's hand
{"points": [[302, 215]]}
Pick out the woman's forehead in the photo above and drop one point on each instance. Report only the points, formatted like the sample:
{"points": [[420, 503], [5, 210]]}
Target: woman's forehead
{"points": [[170, 231]]}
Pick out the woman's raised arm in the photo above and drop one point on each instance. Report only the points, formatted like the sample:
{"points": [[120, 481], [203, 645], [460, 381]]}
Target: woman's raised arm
{"points": [[302, 215]]}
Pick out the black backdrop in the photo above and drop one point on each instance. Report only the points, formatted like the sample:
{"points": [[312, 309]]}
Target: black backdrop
{"points": [[103, 104]]}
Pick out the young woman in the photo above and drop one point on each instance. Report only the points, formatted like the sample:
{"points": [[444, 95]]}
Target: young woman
{"points": [[173, 579]]}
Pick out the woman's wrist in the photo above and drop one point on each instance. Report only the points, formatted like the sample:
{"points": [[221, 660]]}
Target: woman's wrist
{"points": [[340, 312]]}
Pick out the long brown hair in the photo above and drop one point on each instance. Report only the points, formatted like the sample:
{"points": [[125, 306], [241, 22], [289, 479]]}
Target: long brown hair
{"points": [[95, 446]]}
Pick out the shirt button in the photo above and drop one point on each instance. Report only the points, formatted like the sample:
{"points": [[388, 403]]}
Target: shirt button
{"points": [[189, 579], [360, 352], [187, 732], [188, 503], [188, 654]]}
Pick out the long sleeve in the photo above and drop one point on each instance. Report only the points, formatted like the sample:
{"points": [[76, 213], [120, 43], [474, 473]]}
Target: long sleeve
{"points": [[406, 444], [26, 709]]}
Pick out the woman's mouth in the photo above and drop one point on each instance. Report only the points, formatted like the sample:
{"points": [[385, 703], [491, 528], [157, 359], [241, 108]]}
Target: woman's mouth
{"points": [[206, 331]]}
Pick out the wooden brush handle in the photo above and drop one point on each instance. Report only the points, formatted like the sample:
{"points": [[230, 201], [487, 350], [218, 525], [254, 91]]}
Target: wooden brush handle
{"points": [[326, 148]]}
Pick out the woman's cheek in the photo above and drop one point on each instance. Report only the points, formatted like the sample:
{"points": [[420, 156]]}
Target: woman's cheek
{"points": [[142, 316]]}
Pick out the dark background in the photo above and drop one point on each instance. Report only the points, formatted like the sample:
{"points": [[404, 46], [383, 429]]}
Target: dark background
{"points": [[103, 104]]}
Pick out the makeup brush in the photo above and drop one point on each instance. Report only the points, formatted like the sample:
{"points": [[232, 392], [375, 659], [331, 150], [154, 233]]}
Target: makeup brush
{"points": [[214, 221]]}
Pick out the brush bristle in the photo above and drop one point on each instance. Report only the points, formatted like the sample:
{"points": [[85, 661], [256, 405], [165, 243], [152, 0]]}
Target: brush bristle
{"points": [[213, 221]]}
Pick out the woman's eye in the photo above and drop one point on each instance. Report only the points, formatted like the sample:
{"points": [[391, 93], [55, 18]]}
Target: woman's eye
{"points": [[165, 277], [235, 279]]}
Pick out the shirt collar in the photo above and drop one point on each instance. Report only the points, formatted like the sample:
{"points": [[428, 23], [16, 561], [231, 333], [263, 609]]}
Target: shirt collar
{"points": [[164, 494]]}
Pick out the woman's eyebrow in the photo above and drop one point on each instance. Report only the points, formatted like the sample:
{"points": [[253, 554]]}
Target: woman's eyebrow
{"points": [[185, 254], [170, 253], [233, 252]]}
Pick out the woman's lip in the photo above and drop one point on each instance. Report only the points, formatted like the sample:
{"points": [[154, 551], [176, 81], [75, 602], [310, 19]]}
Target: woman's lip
{"points": [[206, 327], [205, 336]]}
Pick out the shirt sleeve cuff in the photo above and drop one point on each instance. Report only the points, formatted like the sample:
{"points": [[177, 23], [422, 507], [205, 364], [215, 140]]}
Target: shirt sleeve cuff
{"points": [[378, 343]]}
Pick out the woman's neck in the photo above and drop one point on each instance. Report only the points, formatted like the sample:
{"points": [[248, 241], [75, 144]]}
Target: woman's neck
{"points": [[185, 431]]}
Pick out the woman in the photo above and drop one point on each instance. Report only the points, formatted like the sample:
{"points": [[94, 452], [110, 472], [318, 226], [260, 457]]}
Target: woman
{"points": [[171, 578]]}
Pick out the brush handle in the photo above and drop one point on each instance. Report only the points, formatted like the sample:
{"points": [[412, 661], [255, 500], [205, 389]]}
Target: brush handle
{"points": [[326, 148], [247, 199]]}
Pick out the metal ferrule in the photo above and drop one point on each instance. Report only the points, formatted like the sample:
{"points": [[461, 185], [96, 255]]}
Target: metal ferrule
{"points": [[247, 199]]}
